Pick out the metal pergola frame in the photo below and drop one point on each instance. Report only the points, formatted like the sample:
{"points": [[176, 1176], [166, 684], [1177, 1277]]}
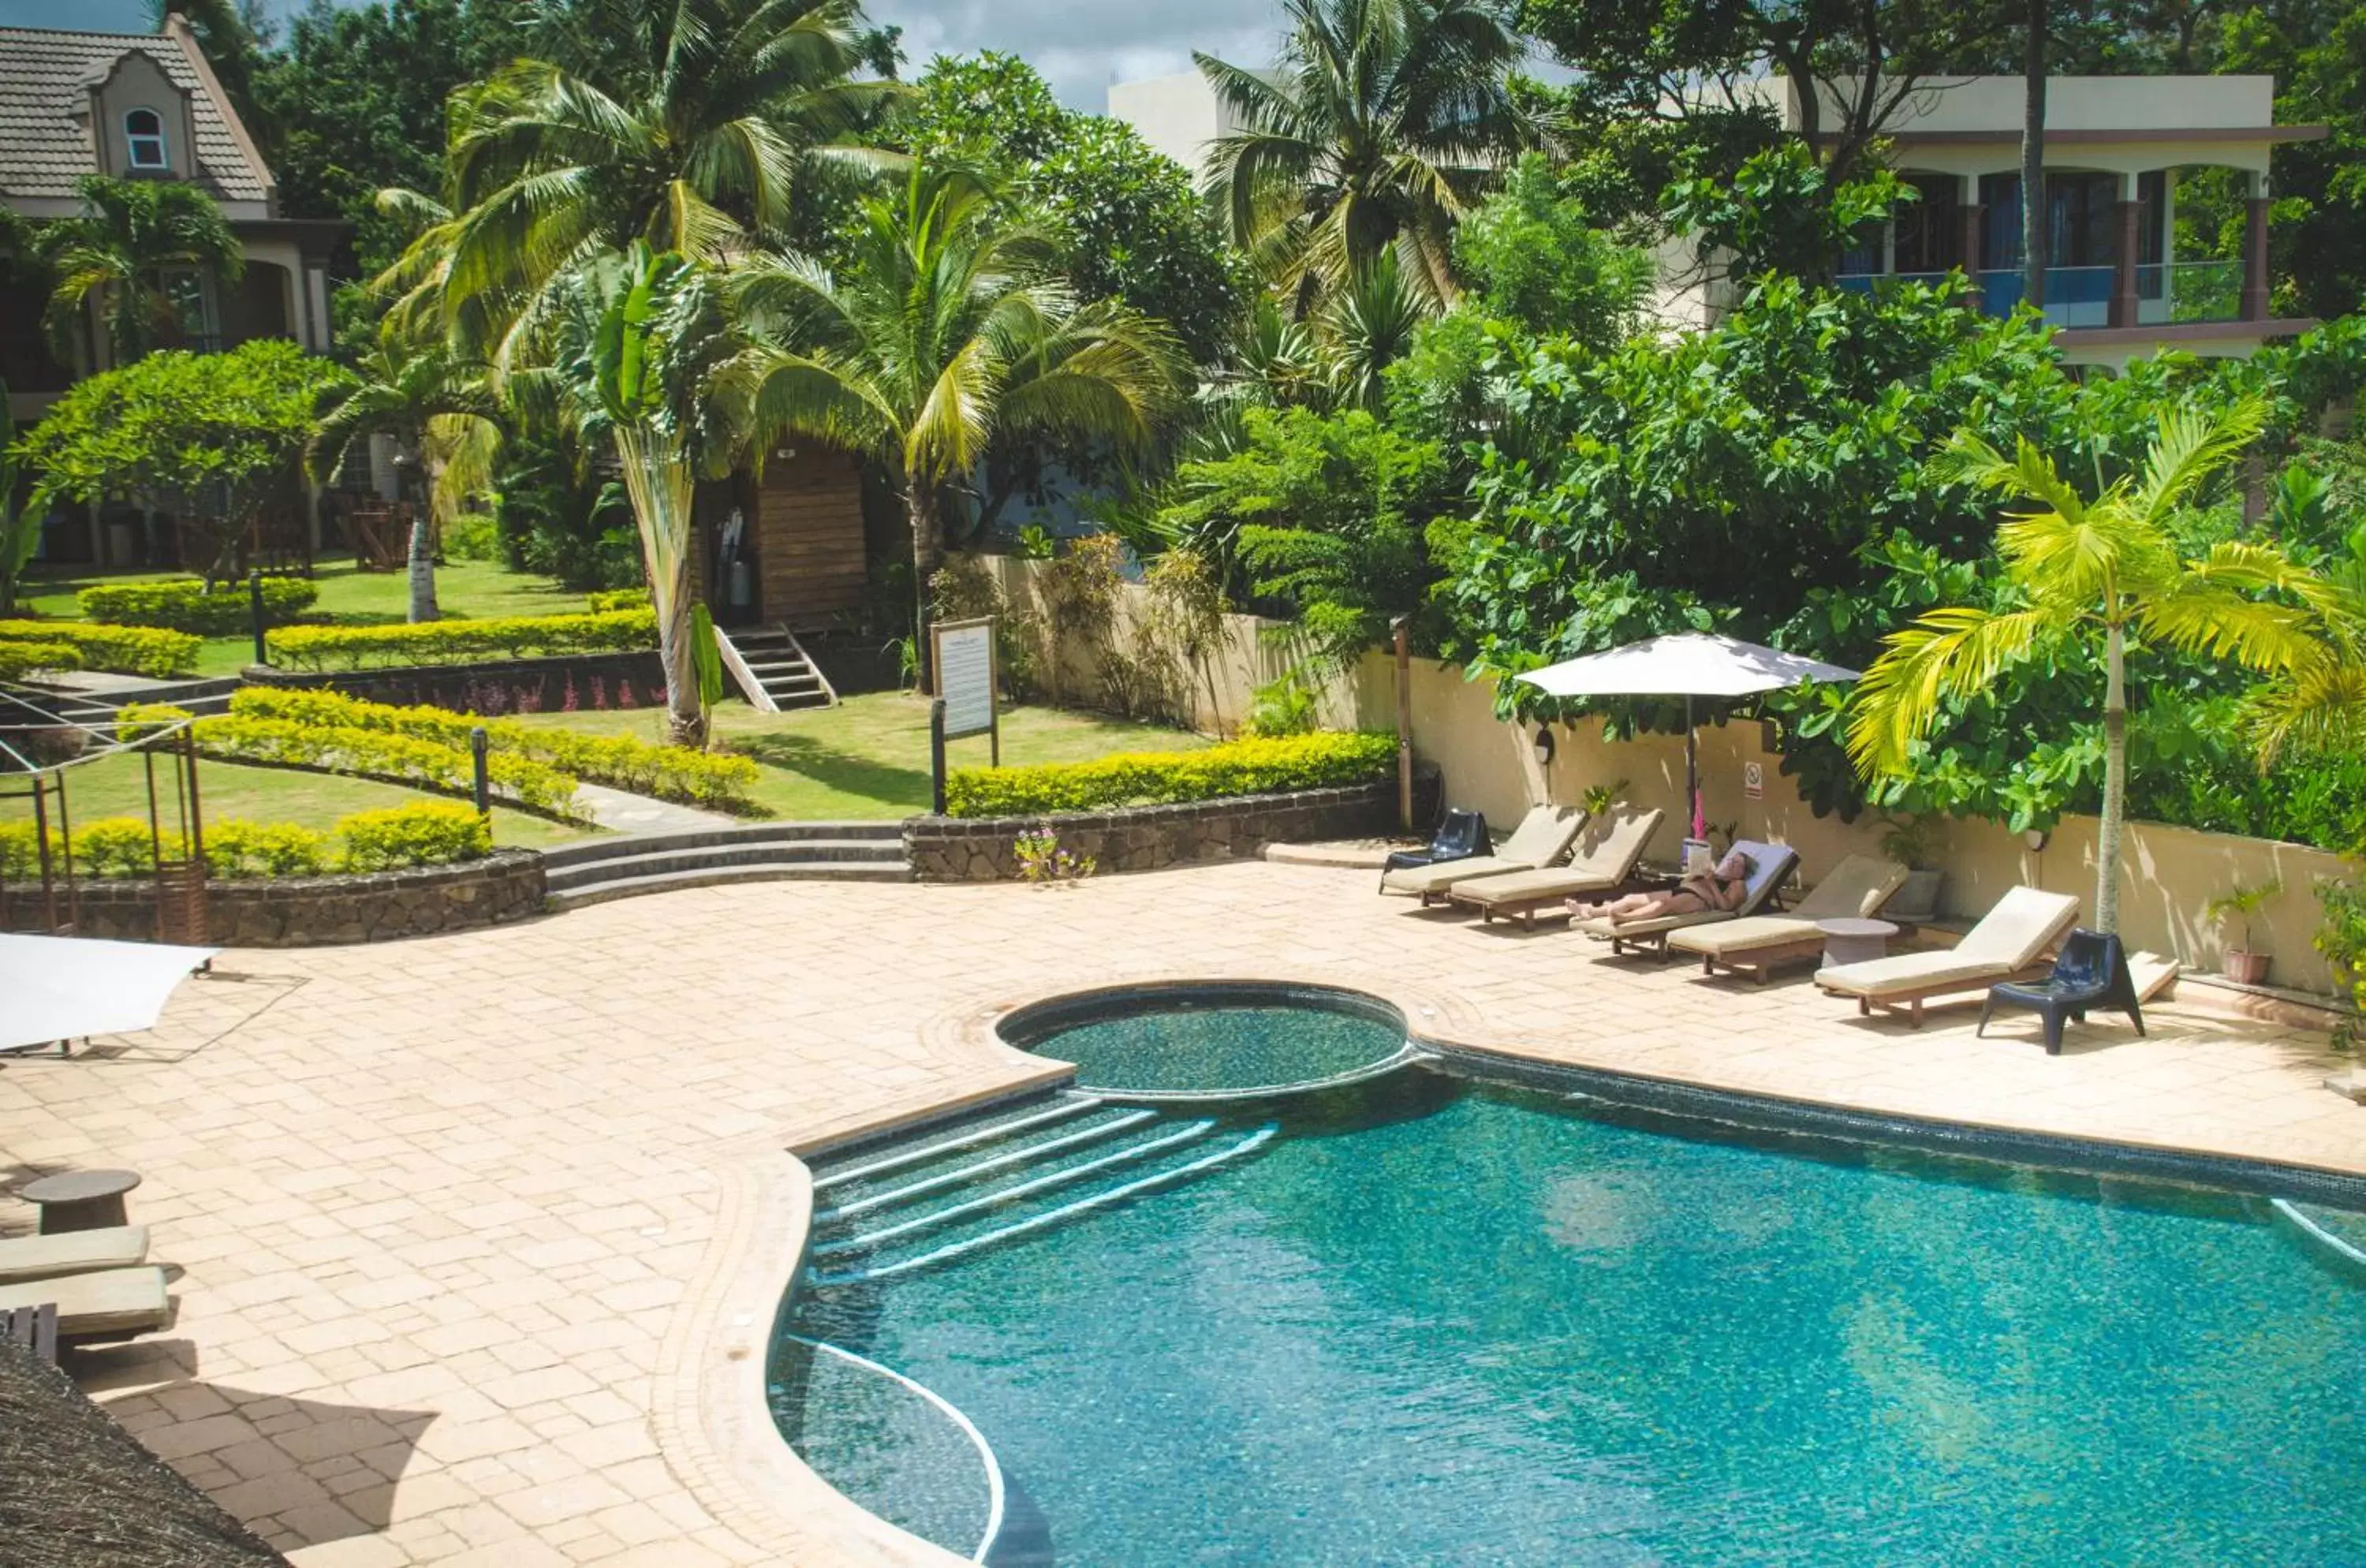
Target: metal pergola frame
{"points": [[41, 745]]}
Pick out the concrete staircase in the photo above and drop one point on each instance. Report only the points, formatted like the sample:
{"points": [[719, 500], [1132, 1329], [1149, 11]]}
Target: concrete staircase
{"points": [[774, 671], [80, 698], [596, 870]]}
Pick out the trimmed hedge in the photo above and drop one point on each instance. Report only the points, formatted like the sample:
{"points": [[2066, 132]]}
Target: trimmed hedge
{"points": [[607, 599], [186, 606], [375, 754], [1160, 778], [464, 642], [128, 651], [422, 833], [670, 773], [19, 659]]}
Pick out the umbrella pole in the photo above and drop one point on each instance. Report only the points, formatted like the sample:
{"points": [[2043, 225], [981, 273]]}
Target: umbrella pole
{"points": [[1692, 772]]}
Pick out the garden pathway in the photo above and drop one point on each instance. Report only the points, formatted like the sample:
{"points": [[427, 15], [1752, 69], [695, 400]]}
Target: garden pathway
{"points": [[620, 811], [465, 1226]]}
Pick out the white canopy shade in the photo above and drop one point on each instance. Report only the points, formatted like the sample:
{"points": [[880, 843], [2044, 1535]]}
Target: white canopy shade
{"points": [[1686, 664], [58, 988]]}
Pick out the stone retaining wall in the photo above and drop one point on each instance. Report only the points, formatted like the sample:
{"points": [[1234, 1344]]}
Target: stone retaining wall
{"points": [[312, 911], [1145, 838]]}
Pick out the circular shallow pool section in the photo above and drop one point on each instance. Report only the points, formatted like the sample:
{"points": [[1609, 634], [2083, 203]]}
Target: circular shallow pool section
{"points": [[1214, 1040]]}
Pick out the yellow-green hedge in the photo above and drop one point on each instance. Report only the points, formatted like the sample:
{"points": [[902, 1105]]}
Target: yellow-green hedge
{"points": [[375, 754], [605, 601], [464, 642], [423, 833], [1155, 778], [184, 605], [19, 659], [128, 651], [670, 772]]}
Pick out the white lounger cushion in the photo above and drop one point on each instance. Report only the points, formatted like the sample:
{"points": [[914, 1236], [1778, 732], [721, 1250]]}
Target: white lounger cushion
{"points": [[1543, 837], [74, 1252], [1856, 888], [119, 1301], [2008, 940], [1606, 859]]}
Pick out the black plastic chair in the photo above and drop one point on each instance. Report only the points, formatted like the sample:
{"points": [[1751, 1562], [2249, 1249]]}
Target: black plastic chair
{"points": [[2092, 973], [1462, 835]]}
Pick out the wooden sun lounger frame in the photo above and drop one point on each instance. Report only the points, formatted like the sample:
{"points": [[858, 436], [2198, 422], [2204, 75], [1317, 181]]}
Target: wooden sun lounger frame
{"points": [[1527, 908], [1909, 1005]]}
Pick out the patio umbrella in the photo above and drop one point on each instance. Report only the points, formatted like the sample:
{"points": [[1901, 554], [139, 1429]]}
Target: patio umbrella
{"points": [[55, 988], [1687, 665]]}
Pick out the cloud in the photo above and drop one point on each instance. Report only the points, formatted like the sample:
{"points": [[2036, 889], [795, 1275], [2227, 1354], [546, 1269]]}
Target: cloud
{"points": [[1081, 46]]}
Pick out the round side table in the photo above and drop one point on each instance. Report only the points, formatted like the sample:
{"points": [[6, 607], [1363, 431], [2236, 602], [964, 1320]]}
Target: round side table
{"points": [[80, 1199], [1853, 941]]}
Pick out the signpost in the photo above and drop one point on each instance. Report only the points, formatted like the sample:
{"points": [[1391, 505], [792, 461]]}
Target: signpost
{"points": [[961, 654]]}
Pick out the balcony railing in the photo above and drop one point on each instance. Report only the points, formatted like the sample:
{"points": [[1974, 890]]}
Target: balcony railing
{"points": [[2190, 291], [2082, 296]]}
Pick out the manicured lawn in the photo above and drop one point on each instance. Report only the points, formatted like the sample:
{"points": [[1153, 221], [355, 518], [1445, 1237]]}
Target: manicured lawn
{"points": [[868, 757], [117, 786], [472, 588]]}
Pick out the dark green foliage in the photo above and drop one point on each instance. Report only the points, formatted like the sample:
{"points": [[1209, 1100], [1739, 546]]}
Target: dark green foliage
{"points": [[1531, 256], [558, 515], [1781, 211]]}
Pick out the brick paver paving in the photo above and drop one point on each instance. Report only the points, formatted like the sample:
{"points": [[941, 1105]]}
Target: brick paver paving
{"points": [[458, 1219]]}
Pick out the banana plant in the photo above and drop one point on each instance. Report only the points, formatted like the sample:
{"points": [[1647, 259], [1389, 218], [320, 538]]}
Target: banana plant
{"points": [[20, 525]]}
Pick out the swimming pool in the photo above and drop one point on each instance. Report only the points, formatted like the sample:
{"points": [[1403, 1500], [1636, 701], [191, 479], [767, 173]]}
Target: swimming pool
{"points": [[1432, 1320]]}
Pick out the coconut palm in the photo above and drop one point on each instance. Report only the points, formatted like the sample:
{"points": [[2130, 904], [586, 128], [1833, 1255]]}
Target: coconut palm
{"points": [[938, 339], [137, 246], [1385, 121], [437, 408], [697, 150], [636, 342], [2099, 572], [2319, 704]]}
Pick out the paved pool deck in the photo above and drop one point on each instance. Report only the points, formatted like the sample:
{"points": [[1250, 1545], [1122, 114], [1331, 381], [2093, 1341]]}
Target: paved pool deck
{"points": [[476, 1237]]}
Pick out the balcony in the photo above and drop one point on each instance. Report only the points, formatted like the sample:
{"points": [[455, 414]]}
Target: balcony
{"points": [[2080, 296]]}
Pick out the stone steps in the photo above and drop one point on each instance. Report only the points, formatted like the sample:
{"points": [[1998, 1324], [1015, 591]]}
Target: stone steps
{"points": [[597, 870]]}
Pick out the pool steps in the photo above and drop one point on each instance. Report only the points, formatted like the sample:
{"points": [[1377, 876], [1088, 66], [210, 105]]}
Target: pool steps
{"points": [[1069, 1105], [2340, 1233], [1191, 1133], [960, 1174], [1012, 1175], [1255, 1141]]}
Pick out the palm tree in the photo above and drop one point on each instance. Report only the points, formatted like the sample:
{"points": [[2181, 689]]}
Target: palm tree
{"points": [[2082, 570], [136, 246], [437, 407], [2319, 704], [637, 343], [1387, 119], [940, 339], [698, 151]]}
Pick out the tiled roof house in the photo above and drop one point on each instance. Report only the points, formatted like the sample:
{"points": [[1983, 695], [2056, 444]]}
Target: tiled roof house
{"points": [[147, 106]]}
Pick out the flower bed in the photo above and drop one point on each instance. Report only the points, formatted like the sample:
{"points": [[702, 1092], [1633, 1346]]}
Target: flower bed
{"points": [[1136, 778], [464, 642]]}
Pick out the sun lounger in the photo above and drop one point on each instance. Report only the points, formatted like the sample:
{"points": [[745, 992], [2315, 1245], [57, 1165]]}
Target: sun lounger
{"points": [[1607, 854], [1770, 866], [1541, 839], [111, 1302], [1856, 888], [73, 1252], [2009, 940]]}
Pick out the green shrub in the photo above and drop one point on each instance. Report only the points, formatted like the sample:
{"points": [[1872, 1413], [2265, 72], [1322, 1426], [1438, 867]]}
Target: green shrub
{"points": [[427, 832], [186, 606], [138, 721], [237, 848], [116, 846], [19, 659], [2342, 940], [128, 651], [20, 860], [670, 772], [1241, 767], [473, 535], [464, 642], [608, 600], [376, 754]]}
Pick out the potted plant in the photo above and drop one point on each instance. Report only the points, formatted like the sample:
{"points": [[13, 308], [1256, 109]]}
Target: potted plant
{"points": [[1913, 842], [1601, 799], [2238, 962]]}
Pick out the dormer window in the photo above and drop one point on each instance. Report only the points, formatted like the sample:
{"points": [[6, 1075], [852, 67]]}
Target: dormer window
{"points": [[143, 140]]}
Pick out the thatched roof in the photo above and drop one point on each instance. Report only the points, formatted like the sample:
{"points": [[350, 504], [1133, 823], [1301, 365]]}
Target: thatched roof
{"points": [[77, 1491]]}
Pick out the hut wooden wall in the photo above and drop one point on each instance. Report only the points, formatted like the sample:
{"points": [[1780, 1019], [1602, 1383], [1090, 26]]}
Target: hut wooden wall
{"points": [[808, 527]]}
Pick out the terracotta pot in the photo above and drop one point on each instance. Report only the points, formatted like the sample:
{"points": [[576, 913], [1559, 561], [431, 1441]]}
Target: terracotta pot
{"points": [[2245, 968]]}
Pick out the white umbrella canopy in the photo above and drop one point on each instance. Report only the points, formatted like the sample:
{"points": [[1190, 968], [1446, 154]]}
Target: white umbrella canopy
{"points": [[1687, 665], [54, 987]]}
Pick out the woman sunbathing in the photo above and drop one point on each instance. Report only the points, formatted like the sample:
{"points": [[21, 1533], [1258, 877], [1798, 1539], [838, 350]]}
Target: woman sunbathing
{"points": [[1722, 888]]}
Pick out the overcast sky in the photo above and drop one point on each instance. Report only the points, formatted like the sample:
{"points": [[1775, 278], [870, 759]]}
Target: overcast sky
{"points": [[1081, 46]]}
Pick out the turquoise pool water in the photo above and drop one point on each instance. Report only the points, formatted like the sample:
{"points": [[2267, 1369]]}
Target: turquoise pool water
{"points": [[1164, 1047], [1435, 1321]]}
